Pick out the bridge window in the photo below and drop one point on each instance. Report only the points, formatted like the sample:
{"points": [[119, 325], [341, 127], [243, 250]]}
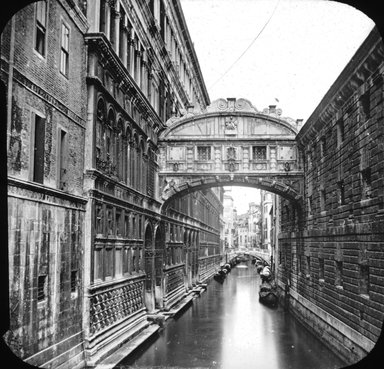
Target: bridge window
{"points": [[203, 153], [259, 152]]}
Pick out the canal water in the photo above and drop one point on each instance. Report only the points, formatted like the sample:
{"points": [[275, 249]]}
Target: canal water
{"points": [[228, 328]]}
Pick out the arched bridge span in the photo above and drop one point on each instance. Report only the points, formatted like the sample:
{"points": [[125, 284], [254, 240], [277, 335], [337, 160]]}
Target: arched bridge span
{"points": [[230, 144]]}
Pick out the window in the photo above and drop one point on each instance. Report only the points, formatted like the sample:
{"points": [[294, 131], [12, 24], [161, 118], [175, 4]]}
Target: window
{"points": [[366, 183], [64, 52], [340, 132], [73, 281], [259, 152], [41, 27], [340, 192], [323, 199], [321, 269], [323, 147], [118, 223], [339, 273], [203, 153], [41, 287], [308, 266], [62, 170], [364, 280], [365, 105], [39, 150], [99, 219]]}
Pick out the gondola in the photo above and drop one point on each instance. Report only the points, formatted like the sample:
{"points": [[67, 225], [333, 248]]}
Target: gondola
{"points": [[268, 294]]}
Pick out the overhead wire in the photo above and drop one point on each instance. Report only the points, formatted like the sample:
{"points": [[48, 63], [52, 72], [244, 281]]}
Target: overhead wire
{"points": [[249, 46]]}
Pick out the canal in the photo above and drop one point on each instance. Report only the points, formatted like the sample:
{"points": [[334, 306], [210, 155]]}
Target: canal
{"points": [[228, 328]]}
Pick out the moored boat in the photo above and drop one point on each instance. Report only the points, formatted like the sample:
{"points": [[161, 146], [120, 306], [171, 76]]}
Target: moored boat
{"points": [[268, 294]]}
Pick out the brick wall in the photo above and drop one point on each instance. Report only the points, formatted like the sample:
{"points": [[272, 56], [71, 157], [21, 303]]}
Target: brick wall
{"points": [[45, 218], [333, 252]]}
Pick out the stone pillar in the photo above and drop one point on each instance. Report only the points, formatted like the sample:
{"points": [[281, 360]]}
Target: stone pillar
{"points": [[272, 158], [244, 156], [218, 159], [190, 155]]}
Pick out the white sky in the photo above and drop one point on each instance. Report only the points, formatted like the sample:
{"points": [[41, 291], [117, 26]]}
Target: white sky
{"points": [[295, 59]]}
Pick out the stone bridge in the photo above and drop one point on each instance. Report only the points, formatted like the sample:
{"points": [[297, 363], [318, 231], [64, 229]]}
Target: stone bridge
{"points": [[231, 144]]}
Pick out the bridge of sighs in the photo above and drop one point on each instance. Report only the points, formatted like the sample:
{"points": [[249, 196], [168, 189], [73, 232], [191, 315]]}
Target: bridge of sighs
{"points": [[231, 143]]}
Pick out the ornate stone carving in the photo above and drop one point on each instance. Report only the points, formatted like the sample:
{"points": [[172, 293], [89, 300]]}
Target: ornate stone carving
{"points": [[115, 304]]}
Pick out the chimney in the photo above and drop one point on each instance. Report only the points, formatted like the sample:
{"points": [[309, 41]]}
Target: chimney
{"points": [[190, 108], [272, 109], [299, 122]]}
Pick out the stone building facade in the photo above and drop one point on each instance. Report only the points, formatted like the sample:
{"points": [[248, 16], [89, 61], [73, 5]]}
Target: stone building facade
{"points": [[43, 68], [332, 247], [92, 252]]}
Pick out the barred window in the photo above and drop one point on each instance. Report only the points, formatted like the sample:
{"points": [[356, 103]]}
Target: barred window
{"points": [[259, 152], [203, 153], [73, 280], [41, 287]]}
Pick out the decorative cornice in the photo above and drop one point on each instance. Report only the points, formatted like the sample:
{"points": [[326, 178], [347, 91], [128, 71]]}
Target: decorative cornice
{"points": [[43, 191], [102, 46]]}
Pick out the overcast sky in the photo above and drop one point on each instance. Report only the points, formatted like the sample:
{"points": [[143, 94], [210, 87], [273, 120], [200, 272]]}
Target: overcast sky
{"points": [[293, 51], [296, 58]]}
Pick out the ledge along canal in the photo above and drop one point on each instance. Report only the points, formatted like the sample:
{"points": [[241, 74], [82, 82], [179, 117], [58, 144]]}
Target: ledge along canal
{"points": [[228, 328]]}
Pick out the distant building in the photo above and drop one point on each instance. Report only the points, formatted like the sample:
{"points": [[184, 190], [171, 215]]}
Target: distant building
{"points": [[266, 222], [229, 218]]}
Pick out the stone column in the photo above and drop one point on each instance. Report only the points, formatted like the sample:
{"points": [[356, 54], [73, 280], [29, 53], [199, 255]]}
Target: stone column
{"points": [[244, 156]]}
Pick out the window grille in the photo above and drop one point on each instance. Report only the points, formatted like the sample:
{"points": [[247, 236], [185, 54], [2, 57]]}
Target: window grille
{"points": [[259, 153], [41, 287], [203, 153]]}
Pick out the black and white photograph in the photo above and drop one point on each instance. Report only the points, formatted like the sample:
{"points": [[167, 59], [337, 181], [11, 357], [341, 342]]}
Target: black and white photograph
{"points": [[192, 184]]}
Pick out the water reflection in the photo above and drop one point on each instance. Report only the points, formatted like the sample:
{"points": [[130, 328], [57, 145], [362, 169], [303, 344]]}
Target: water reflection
{"points": [[228, 328]]}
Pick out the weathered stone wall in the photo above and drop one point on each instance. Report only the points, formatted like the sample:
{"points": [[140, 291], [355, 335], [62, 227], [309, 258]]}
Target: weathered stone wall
{"points": [[45, 216], [332, 250]]}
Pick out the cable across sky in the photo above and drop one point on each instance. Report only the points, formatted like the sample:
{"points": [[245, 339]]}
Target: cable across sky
{"points": [[249, 46]]}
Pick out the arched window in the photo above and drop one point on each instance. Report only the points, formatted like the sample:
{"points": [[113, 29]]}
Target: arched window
{"points": [[142, 167], [127, 145], [133, 161], [110, 142], [100, 131], [120, 157]]}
